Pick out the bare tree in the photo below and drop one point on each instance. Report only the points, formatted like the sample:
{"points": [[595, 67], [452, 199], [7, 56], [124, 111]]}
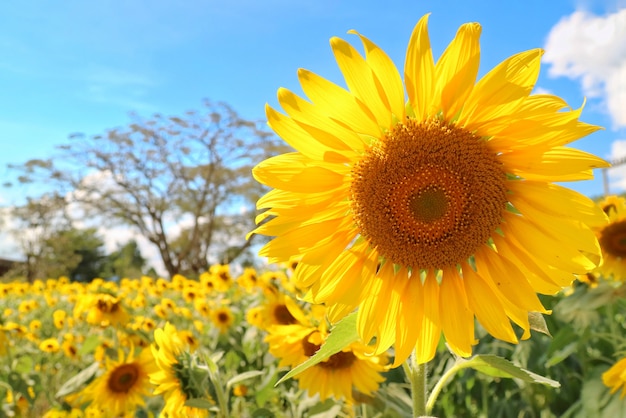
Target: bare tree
{"points": [[37, 221], [179, 181]]}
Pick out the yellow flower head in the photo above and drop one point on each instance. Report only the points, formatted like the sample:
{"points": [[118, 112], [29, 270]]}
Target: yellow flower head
{"points": [[171, 378], [338, 375], [124, 385], [102, 309], [49, 345], [615, 377], [429, 212], [222, 318], [612, 238]]}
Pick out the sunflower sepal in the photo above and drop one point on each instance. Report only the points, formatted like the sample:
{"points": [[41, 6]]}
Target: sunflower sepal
{"points": [[341, 336], [538, 323]]}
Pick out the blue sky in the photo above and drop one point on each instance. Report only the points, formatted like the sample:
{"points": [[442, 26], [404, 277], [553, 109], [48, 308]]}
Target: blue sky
{"points": [[82, 66]]}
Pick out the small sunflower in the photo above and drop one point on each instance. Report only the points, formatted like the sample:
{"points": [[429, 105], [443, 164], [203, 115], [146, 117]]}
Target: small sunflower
{"points": [[102, 309], [428, 213], [124, 385], [49, 345], [337, 376], [615, 377], [222, 318], [612, 238], [172, 378]]}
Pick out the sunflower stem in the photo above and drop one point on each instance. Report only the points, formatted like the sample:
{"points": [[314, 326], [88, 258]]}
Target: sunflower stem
{"points": [[417, 376], [441, 383]]}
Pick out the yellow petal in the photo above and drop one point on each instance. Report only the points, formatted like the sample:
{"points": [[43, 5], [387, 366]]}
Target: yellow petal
{"points": [[553, 252], [508, 280], [387, 76], [294, 172], [558, 201], [501, 91], [408, 325], [312, 119], [298, 138], [339, 104], [419, 71], [487, 306], [556, 164], [430, 329], [360, 80], [457, 320], [457, 68]]}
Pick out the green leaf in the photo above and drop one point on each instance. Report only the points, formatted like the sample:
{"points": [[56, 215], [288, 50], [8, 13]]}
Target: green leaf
{"points": [[73, 384], [199, 403], [90, 344], [243, 376], [342, 334], [538, 323], [24, 364], [499, 367]]}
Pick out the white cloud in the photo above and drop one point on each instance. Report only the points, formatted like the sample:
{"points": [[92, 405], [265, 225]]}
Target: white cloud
{"points": [[592, 49]]}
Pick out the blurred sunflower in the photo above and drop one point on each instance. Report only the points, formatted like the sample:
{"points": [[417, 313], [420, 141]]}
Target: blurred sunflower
{"points": [[49, 345], [124, 385], [102, 309], [337, 376], [172, 378], [615, 377], [612, 238], [429, 213], [222, 318]]}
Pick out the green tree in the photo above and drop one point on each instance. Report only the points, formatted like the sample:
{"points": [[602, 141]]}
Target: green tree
{"points": [[34, 224], [181, 182], [76, 253], [125, 262]]}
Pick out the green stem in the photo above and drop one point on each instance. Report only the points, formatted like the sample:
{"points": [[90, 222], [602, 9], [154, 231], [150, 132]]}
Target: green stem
{"points": [[443, 381], [417, 377]]}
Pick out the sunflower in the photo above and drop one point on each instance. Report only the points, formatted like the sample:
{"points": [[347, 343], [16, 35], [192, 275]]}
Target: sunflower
{"points": [[102, 309], [124, 385], [336, 376], [615, 377], [49, 345], [612, 238], [172, 378], [222, 318], [429, 213]]}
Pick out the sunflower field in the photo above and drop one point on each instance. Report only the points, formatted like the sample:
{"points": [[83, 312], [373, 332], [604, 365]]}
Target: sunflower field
{"points": [[423, 260], [218, 345]]}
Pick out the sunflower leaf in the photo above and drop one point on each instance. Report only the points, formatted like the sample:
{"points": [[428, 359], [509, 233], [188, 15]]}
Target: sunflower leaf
{"points": [[73, 384], [343, 334], [243, 376], [199, 403], [499, 367]]}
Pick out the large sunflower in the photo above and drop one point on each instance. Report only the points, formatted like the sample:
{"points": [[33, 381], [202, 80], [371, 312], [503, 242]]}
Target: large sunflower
{"points": [[124, 385], [612, 238], [429, 213]]}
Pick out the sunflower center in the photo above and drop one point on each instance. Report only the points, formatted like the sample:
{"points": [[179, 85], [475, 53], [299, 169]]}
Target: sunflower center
{"points": [[429, 204], [123, 378], [613, 239], [283, 316], [428, 194], [340, 360]]}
